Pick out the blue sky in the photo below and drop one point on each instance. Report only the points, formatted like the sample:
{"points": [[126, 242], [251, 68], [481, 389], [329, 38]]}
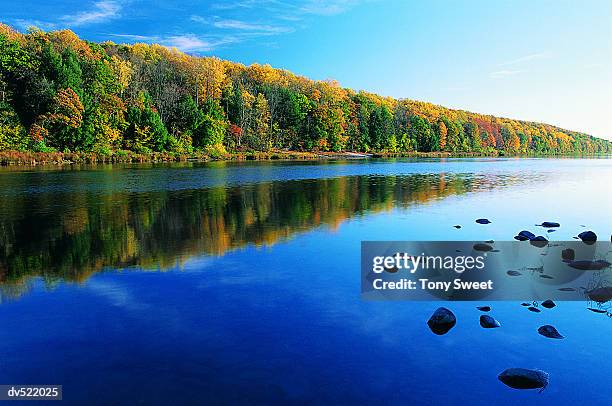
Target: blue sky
{"points": [[548, 61]]}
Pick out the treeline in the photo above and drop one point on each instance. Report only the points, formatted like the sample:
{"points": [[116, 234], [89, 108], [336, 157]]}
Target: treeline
{"points": [[60, 93]]}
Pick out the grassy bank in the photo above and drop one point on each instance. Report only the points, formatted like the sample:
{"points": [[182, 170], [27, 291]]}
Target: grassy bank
{"points": [[29, 158]]}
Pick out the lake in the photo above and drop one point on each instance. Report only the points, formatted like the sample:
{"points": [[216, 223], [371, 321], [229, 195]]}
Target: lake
{"points": [[239, 282]]}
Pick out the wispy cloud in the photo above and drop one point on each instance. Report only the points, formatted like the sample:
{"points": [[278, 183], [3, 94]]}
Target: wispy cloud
{"points": [[239, 25], [101, 11], [327, 7], [526, 58], [194, 43], [26, 24], [133, 37], [500, 74], [185, 42], [242, 25]]}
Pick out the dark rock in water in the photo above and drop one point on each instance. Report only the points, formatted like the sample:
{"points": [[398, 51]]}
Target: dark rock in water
{"points": [[551, 231], [520, 238], [568, 254], [521, 378], [539, 241], [527, 234], [586, 265], [546, 276], [489, 322], [588, 236], [457, 226], [525, 304], [549, 331], [567, 289], [514, 273], [482, 247], [549, 224], [533, 309], [596, 310], [549, 304], [600, 295], [489, 241], [484, 308], [483, 221], [442, 321]]}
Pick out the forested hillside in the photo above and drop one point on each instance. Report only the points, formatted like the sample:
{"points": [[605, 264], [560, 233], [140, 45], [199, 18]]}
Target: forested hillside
{"points": [[61, 93]]}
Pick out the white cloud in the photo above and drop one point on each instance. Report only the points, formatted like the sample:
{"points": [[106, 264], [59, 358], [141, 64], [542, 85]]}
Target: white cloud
{"points": [[500, 74], [133, 37], [102, 11], [242, 25], [326, 7], [526, 58], [183, 42], [26, 24], [187, 43], [193, 43]]}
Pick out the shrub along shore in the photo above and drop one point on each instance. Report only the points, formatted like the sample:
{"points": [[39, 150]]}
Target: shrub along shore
{"points": [[30, 158]]}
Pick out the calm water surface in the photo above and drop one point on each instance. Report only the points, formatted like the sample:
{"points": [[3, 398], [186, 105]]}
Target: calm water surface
{"points": [[239, 282]]}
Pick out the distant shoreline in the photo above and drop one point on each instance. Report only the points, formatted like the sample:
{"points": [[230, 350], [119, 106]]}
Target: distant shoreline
{"points": [[29, 158]]}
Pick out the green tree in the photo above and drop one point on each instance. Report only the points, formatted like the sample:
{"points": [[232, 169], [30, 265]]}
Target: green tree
{"points": [[210, 126]]}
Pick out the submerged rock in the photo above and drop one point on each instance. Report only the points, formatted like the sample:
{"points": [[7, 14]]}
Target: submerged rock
{"points": [[539, 241], [514, 273], [588, 236], [586, 265], [525, 304], [482, 247], [550, 224], [441, 321], [484, 308], [521, 378], [600, 295], [549, 304], [457, 226], [596, 310], [568, 254], [534, 309], [546, 276], [483, 221], [489, 322], [549, 331], [567, 289], [551, 231]]}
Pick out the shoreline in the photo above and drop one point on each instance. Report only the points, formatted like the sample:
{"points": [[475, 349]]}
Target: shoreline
{"points": [[32, 159]]}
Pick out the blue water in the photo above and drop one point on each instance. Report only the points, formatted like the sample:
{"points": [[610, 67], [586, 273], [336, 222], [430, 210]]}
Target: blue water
{"points": [[239, 283]]}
